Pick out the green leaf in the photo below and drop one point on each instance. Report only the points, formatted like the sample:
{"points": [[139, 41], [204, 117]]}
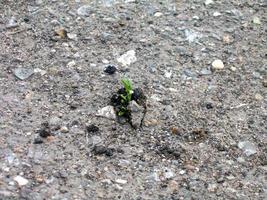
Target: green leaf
{"points": [[128, 87]]}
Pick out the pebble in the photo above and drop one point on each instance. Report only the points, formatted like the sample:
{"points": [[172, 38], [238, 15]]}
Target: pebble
{"points": [[216, 14], [72, 36], [127, 58], [23, 73], [40, 71], [256, 20], [107, 181], [118, 187], [233, 69], [168, 173], [248, 147], [208, 2], [168, 74], [227, 39], [217, 64], [195, 17], [158, 14], [21, 181], [121, 181], [12, 23], [107, 112], [62, 33], [64, 129], [102, 150], [264, 82], [84, 10], [182, 172], [110, 69], [259, 97], [71, 64]]}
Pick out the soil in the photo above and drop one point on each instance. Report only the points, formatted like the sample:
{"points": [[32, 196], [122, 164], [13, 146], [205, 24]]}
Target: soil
{"points": [[200, 63]]}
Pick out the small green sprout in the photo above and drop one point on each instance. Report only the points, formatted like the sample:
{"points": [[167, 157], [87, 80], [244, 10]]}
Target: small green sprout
{"points": [[129, 90], [126, 97]]}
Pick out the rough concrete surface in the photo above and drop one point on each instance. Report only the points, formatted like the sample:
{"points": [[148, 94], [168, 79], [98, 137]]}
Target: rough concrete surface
{"points": [[201, 64]]}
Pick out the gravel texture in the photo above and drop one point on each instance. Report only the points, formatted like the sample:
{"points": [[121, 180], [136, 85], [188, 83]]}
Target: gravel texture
{"points": [[201, 64]]}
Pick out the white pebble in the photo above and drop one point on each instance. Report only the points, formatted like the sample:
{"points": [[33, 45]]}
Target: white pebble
{"points": [[158, 14], [121, 181], [107, 112], [207, 2], [64, 129], [217, 64], [216, 14], [127, 58], [21, 181]]}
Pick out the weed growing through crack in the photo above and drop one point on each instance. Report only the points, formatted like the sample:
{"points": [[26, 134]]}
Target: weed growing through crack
{"points": [[121, 100], [126, 97]]}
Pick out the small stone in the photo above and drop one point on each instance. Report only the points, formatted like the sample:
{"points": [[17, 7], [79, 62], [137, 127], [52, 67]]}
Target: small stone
{"points": [[40, 71], [107, 112], [127, 58], [137, 114], [248, 147], [158, 14], [256, 20], [182, 172], [217, 64], [21, 181], [84, 10], [23, 73], [118, 187], [71, 64], [121, 181], [64, 129], [216, 14], [259, 97], [208, 2], [168, 74], [264, 82], [72, 36], [168, 174], [175, 130], [107, 181], [110, 69], [62, 33], [102, 150], [12, 23], [105, 61], [233, 69], [195, 17], [227, 39]]}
